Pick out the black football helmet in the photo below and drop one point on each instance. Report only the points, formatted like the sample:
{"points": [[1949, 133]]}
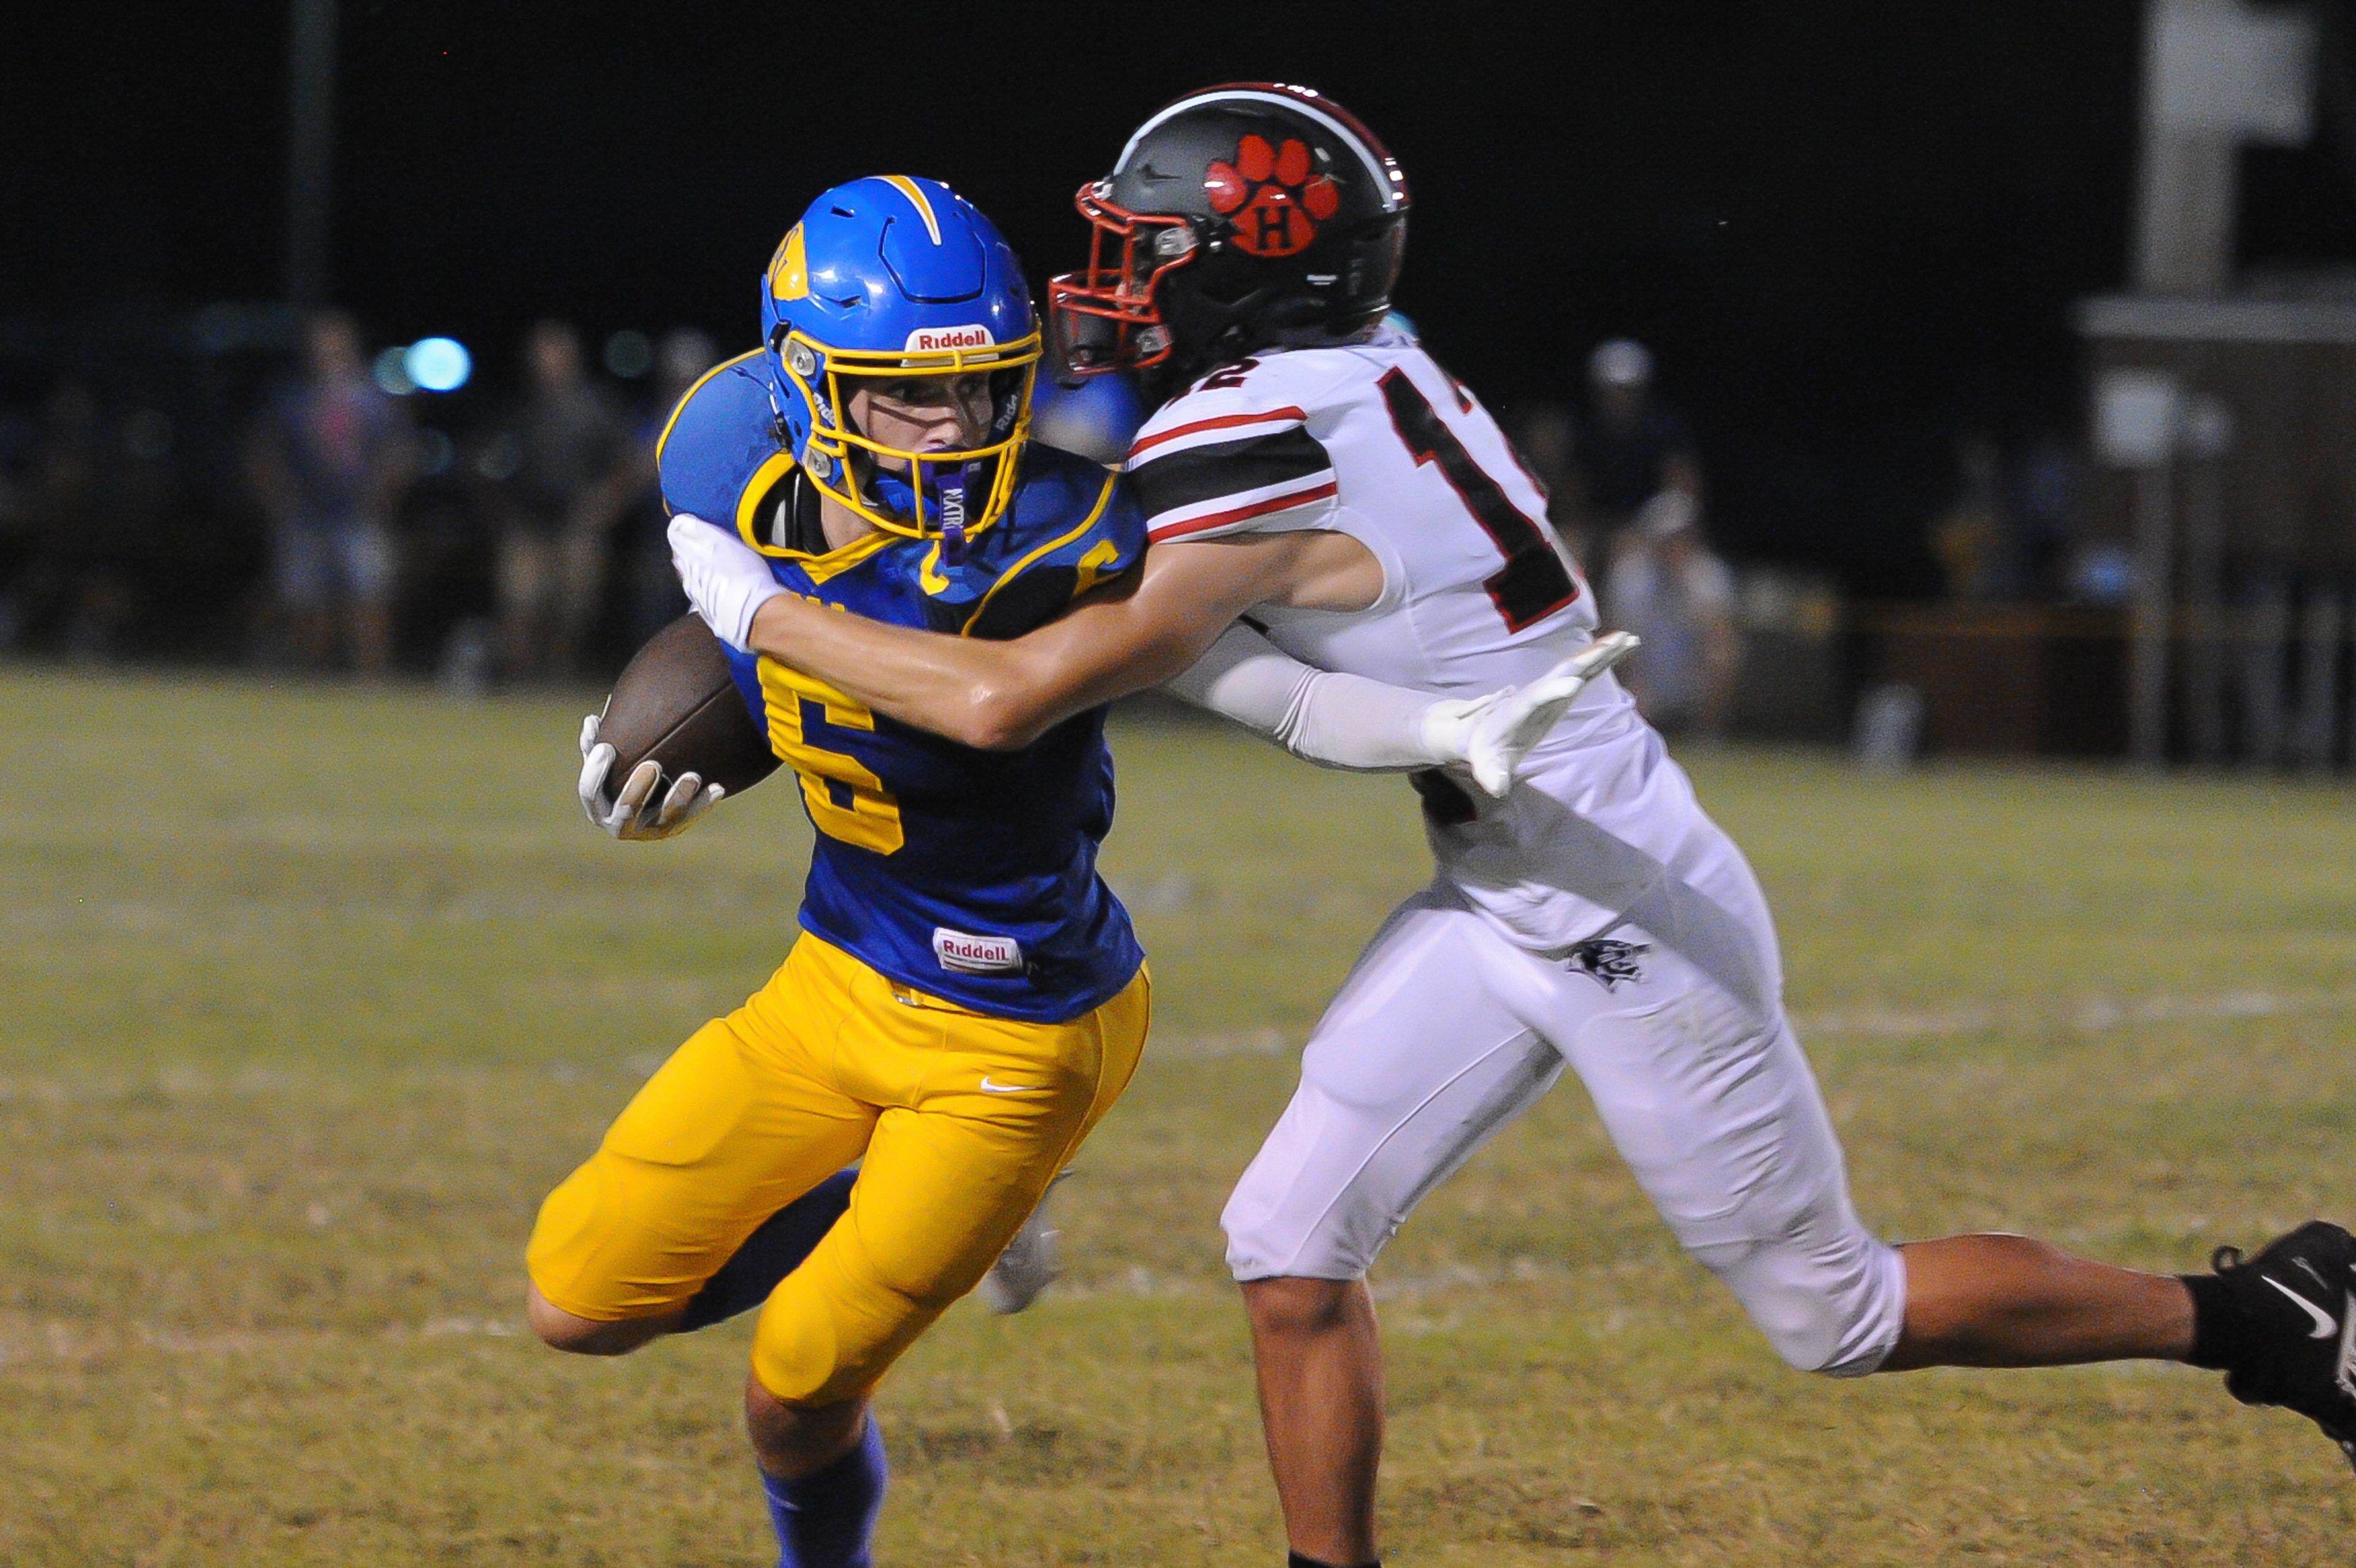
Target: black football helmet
{"points": [[1239, 217]]}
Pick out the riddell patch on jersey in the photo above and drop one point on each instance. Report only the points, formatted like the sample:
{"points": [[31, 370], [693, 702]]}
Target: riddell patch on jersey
{"points": [[941, 339], [970, 954], [1608, 962]]}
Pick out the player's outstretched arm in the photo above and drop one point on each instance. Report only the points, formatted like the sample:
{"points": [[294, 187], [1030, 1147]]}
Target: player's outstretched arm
{"points": [[1344, 720], [997, 696], [1156, 623]]}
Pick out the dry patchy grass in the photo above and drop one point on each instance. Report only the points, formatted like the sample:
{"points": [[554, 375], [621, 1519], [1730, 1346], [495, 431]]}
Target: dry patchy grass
{"points": [[310, 994]]}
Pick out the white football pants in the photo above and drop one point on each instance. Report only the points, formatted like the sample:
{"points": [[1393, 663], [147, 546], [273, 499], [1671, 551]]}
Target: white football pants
{"points": [[1445, 1031]]}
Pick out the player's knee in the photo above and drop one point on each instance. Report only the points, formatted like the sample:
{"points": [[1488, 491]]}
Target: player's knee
{"points": [[562, 1330], [829, 1334], [793, 1440], [823, 1358], [1268, 1243], [1808, 1340], [1830, 1311], [1291, 1308], [559, 1330]]}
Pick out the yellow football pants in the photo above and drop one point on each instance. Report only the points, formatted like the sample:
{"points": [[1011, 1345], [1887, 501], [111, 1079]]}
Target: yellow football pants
{"points": [[963, 1120]]}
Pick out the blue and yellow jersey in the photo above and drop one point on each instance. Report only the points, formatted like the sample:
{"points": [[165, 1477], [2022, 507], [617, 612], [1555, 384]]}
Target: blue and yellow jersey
{"points": [[962, 874]]}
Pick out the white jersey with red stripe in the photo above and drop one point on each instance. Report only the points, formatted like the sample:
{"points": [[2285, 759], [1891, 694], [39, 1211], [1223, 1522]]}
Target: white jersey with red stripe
{"points": [[1377, 441]]}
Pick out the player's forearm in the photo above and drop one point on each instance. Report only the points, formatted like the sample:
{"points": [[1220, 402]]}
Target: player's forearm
{"points": [[990, 695], [1334, 720]]}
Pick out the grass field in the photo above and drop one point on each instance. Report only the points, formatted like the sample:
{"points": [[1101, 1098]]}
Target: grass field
{"points": [[307, 996]]}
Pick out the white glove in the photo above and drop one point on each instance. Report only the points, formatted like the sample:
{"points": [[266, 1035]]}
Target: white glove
{"points": [[727, 580], [1490, 735], [633, 814]]}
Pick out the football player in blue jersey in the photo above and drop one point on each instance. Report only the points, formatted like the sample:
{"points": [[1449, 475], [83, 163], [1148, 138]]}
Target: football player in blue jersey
{"points": [[966, 997]]}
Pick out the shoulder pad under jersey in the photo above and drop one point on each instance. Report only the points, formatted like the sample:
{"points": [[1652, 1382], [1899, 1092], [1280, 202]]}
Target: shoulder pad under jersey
{"points": [[1235, 453], [721, 438], [1073, 525]]}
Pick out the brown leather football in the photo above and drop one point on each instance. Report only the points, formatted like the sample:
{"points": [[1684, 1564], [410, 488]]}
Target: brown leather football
{"points": [[677, 702]]}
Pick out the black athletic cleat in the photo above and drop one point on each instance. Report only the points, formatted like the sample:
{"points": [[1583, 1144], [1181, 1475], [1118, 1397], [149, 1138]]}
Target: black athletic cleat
{"points": [[2300, 1293]]}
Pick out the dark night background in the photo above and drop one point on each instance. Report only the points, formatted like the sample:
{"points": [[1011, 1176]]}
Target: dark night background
{"points": [[1850, 228]]}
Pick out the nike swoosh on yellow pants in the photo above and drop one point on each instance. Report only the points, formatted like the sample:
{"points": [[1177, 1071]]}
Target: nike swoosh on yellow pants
{"points": [[829, 1062]]}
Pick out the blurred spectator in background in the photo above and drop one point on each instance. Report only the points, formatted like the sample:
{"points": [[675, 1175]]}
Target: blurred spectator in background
{"points": [[2046, 496], [329, 460], [651, 595], [1668, 589], [1630, 447], [1973, 534], [2005, 533], [1546, 437], [556, 479]]}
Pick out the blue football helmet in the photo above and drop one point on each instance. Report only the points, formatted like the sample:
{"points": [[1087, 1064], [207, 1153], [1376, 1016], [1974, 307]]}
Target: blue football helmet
{"points": [[890, 278]]}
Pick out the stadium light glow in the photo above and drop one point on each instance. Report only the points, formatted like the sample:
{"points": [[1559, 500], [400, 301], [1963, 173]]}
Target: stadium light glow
{"points": [[438, 364]]}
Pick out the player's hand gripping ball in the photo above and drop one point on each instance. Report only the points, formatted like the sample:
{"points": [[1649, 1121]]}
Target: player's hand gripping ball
{"points": [[677, 733]]}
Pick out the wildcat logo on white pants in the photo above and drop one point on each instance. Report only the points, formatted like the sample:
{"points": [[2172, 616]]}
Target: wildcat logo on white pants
{"points": [[970, 954], [1607, 962]]}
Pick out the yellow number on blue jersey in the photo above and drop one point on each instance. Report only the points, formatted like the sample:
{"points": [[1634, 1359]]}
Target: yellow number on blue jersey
{"points": [[871, 820]]}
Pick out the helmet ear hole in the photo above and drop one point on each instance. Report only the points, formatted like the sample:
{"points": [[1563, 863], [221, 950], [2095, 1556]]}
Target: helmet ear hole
{"points": [[1006, 402]]}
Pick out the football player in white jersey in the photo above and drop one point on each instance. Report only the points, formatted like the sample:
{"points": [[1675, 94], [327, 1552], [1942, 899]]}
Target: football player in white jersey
{"points": [[1323, 477]]}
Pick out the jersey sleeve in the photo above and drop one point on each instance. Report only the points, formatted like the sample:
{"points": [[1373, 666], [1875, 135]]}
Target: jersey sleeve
{"points": [[1231, 456], [1325, 717], [716, 442]]}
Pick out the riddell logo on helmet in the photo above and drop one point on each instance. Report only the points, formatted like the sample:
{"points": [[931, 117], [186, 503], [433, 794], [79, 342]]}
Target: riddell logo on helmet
{"points": [[941, 339], [1272, 196]]}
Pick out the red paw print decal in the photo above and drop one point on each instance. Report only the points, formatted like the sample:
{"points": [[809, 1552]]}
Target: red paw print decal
{"points": [[1271, 196]]}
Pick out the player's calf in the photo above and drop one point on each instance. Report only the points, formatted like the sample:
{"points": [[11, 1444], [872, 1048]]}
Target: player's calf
{"points": [[823, 1473], [1320, 1368], [1999, 1300]]}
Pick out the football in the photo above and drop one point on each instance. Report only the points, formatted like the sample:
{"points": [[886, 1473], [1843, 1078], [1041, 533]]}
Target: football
{"points": [[677, 701]]}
